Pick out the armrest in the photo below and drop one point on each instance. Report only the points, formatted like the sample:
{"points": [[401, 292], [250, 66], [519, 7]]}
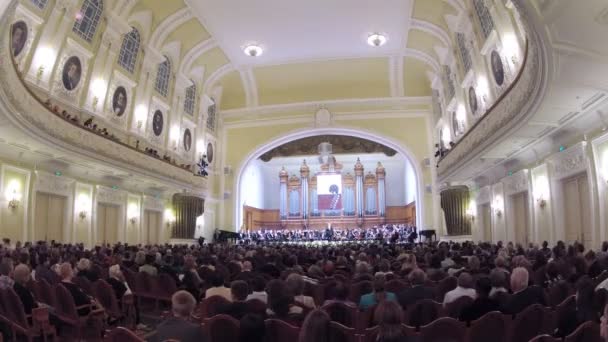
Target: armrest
{"points": [[40, 315]]}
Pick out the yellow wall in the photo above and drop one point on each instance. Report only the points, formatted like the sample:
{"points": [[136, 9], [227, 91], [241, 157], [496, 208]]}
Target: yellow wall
{"points": [[13, 222], [241, 142]]}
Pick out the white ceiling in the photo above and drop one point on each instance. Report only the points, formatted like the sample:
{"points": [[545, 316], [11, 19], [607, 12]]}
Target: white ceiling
{"points": [[304, 30]]}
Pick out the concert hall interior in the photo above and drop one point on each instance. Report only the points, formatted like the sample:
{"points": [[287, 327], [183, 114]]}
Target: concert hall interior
{"points": [[211, 132]]}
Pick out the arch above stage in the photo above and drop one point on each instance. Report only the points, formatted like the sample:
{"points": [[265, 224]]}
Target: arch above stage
{"points": [[354, 132]]}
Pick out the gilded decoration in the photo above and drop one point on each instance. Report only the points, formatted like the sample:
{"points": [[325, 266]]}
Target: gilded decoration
{"points": [[341, 144]]}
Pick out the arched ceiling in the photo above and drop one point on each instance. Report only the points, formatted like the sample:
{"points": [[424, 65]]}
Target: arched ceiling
{"points": [[314, 50]]}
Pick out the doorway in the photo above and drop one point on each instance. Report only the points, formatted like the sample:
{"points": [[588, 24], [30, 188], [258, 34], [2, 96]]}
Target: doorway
{"points": [[577, 211], [108, 220], [50, 217], [485, 213], [151, 226], [520, 218]]}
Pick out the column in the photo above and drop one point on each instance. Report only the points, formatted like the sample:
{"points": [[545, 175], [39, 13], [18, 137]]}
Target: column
{"points": [[145, 84], [283, 175], [304, 173], [53, 34], [380, 176], [359, 187]]}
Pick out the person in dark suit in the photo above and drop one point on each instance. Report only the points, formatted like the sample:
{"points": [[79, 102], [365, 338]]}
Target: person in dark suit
{"points": [[238, 308], [167, 268], [80, 298], [43, 270], [417, 292], [178, 326], [482, 304], [21, 274], [523, 295]]}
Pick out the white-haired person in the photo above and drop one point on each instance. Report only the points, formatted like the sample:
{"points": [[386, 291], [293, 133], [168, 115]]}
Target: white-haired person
{"points": [[121, 288], [523, 295], [80, 298], [178, 326]]}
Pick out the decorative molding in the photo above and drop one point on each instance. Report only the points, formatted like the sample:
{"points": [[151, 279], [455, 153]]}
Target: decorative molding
{"points": [[169, 25], [250, 86], [424, 57], [152, 203], [432, 29], [217, 74], [516, 183], [484, 195], [569, 162], [48, 183], [395, 74], [508, 113], [194, 53], [111, 196]]}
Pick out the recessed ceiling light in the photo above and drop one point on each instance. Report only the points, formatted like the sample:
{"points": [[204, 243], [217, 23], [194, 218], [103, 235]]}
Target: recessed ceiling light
{"points": [[253, 50], [376, 39]]}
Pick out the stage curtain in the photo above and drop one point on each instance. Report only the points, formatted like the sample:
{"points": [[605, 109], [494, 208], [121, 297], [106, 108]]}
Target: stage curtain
{"points": [[187, 209], [454, 203]]}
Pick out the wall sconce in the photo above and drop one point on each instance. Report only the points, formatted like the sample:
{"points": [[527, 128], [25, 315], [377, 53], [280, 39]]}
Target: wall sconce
{"points": [[140, 116], [169, 217], [542, 203], [497, 207], [541, 191], [40, 73], [174, 136], [133, 213], [13, 195], [82, 215]]}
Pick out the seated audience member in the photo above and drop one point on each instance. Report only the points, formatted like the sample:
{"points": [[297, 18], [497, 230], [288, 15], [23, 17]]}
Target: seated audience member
{"points": [[168, 268], [280, 302], [388, 317], [80, 298], [315, 327], [258, 284], [362, 272], [191, 280], [217, 287], [84, 270], [417, 292], [501, 264], [384, 268], [464, 288], [340, 295], [585, 310], [22, 277], [296, 286], [238, 308], [409, 264], [178, 327], [117, 280], [482, 304], [523, 296], [378, 295], [6, 271], [149, 267], [44, 271], [246, 273], [252, 329], [498, 279], [435, 272], [604, 324]]}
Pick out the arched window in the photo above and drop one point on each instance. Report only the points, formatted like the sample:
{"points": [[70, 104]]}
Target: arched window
{"points": [[211, 115], [129, 50], [190, 99], [41, 4], [485, 18], [162, 77], [465, 56], [87, 19]]}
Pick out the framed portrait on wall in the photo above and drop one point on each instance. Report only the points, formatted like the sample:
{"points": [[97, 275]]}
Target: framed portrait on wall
{"points": [[187, 140], [473, 100], [157, 123], [71, 73], [209, 153], [19, 34], [119, 101], [498, 69]]}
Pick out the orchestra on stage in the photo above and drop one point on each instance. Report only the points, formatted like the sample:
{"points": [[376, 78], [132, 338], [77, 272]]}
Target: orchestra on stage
{"points": [[384, 233]]}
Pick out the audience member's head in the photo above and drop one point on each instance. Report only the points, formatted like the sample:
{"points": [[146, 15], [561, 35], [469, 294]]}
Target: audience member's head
{"points": [[21, 274], [295, 282], [247, 267], [498, 278], [483, 287], [182, 304], [474, 263], [465, 280], [315, 327], [6, 267], [66, 272], [239, 290], [519, 279], [417, 277], [379, 282], [388, 316]]}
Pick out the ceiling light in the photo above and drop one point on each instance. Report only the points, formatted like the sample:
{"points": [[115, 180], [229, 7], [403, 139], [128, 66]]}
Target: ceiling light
{"points": [[253, 50], [376, 39]]}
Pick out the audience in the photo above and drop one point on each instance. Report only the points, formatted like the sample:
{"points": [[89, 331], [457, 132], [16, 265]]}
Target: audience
{"points": [[482, 303], [523, 295], [80, 298], [6, 271], [378, 295], [296, 286], [258, 286], [22, 277], [464, 288], [252, 329], [178, 327], [417, 291], [217, 287], [315, 327], [238, 308]]}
